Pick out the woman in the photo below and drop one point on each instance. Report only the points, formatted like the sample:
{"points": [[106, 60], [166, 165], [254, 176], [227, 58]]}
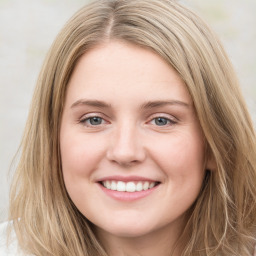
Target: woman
{"points": [[138, 140]]}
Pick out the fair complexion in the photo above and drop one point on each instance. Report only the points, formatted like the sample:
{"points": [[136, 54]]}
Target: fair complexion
{"points": [[129, 124]]}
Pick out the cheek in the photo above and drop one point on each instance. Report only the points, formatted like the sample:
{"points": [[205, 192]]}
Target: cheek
{"points": [[180, 154], [182, 162], [80, 154]]}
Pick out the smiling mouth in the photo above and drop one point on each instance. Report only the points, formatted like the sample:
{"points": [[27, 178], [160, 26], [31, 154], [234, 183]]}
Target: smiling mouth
{"points": [[131, 186]]}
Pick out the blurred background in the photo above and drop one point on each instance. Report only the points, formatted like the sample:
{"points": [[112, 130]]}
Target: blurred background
{"points": [[28, 28]]}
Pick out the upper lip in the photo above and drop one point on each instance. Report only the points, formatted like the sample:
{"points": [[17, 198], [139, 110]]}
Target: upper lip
{"points": [[126, 178]]}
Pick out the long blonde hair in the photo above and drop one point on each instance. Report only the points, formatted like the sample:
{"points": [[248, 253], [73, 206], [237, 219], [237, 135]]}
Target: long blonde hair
{"points": [[223, 218]]}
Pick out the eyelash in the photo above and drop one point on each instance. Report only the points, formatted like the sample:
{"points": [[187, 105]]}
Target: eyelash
{"points": [[88, 118], [167, 121]]}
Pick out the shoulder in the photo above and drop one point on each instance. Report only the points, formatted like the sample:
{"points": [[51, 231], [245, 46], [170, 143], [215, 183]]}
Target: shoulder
{"points": [[12, 249]]}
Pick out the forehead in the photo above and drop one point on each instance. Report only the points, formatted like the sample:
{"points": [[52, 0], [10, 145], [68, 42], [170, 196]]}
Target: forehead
{"points": [[125, 70]]}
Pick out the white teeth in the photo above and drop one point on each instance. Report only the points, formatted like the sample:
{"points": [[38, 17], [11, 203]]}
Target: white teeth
{"points": [[146, 185], [120, 186], [139, 186], [129, 186], [108, 184], [112, 185], [152, 184]]}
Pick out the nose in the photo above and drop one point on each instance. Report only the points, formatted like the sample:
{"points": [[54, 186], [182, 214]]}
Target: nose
{"points": [[126, 147]]}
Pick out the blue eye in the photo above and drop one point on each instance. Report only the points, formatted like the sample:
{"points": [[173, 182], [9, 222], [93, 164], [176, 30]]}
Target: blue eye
{"points": [[161, 121], [94, 121]]}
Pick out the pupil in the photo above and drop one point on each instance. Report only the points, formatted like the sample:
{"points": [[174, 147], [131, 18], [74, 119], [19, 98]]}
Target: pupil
{"points": [[95, 120], [161, 121]]}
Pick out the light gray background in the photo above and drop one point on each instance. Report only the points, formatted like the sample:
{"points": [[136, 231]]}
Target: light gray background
{"points": [[28, 27]]}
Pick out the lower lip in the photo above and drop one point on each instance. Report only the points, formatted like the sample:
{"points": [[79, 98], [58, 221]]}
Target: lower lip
{"points": [[127, 196]]}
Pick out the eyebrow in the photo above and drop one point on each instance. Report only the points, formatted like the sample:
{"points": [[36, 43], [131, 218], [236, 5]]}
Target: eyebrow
{"points": [[92, 103], [160, 103], [147, 105]]}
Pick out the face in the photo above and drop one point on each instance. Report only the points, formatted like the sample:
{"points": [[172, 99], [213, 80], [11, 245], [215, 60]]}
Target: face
{"points": [[131, 145]]}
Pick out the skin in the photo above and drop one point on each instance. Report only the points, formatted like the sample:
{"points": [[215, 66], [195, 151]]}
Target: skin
{"points": [[127, 140]]}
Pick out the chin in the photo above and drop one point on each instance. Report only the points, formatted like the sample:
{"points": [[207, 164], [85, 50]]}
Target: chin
{"points": [[127, 228]]}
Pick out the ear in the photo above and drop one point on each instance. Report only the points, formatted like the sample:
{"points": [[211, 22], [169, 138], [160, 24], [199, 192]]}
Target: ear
{"points": [[210, 163]]}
